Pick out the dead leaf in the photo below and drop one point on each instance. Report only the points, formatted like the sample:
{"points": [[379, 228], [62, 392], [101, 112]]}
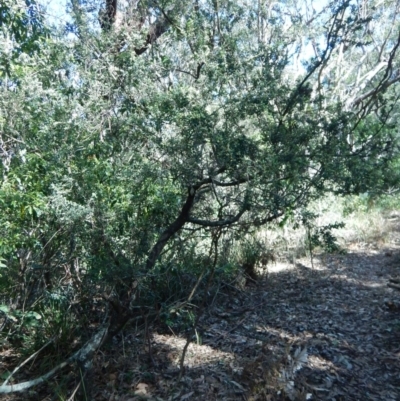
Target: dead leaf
{"points": [[237, 385], [186, 396], [141, 389]]}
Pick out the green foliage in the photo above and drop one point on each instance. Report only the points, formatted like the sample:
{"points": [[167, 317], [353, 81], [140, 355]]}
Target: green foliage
{"points": [[366, 202], [21, 31], [356, 203], [386, 203], [24, 326], [319, 236], [323, 237]]}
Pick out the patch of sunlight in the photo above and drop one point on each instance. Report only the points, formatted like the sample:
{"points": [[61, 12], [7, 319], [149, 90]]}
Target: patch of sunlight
{"points": [[196, 355], [277, 267]]}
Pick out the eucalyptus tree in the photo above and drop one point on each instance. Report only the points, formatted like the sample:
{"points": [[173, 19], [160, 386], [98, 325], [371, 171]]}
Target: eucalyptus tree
{"points": [[154, 129]]}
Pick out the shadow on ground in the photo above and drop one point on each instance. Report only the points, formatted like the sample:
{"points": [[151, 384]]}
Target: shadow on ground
{"points": [[322, 333]]}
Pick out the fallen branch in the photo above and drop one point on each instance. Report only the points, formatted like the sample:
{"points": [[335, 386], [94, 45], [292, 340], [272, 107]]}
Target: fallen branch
{"points": [[81, 355], [26, 361]]}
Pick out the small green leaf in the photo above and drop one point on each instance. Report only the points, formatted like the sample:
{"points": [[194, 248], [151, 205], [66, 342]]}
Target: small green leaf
{"points": [[35, 315], [4, 308]]}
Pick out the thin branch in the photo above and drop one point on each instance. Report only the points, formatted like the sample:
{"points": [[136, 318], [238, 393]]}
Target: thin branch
{"points": [[232, 183], [180, 221], [331, 40], [217, 223], [375, 91], [197, 76], [385, 82]]}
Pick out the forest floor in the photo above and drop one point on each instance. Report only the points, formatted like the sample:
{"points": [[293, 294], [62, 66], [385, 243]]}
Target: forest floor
{"points": [[329, 330]]}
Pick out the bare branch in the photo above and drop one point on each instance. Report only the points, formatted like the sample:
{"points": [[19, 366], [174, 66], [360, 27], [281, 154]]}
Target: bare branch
{"points": [[217, 223], [373, 92], [386, 80], [83, 354], [26, 361], [197, 76], [232, 183], [331, 41]]}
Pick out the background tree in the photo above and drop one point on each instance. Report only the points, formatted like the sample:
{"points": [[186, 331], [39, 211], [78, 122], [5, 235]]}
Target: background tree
{"points": [[21, 29]]}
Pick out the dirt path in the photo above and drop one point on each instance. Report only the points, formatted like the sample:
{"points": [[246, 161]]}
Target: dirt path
{"points": [[331, 320]]}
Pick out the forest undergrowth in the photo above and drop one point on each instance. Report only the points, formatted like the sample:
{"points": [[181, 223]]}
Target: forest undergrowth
{"points": [[322, 328]]}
